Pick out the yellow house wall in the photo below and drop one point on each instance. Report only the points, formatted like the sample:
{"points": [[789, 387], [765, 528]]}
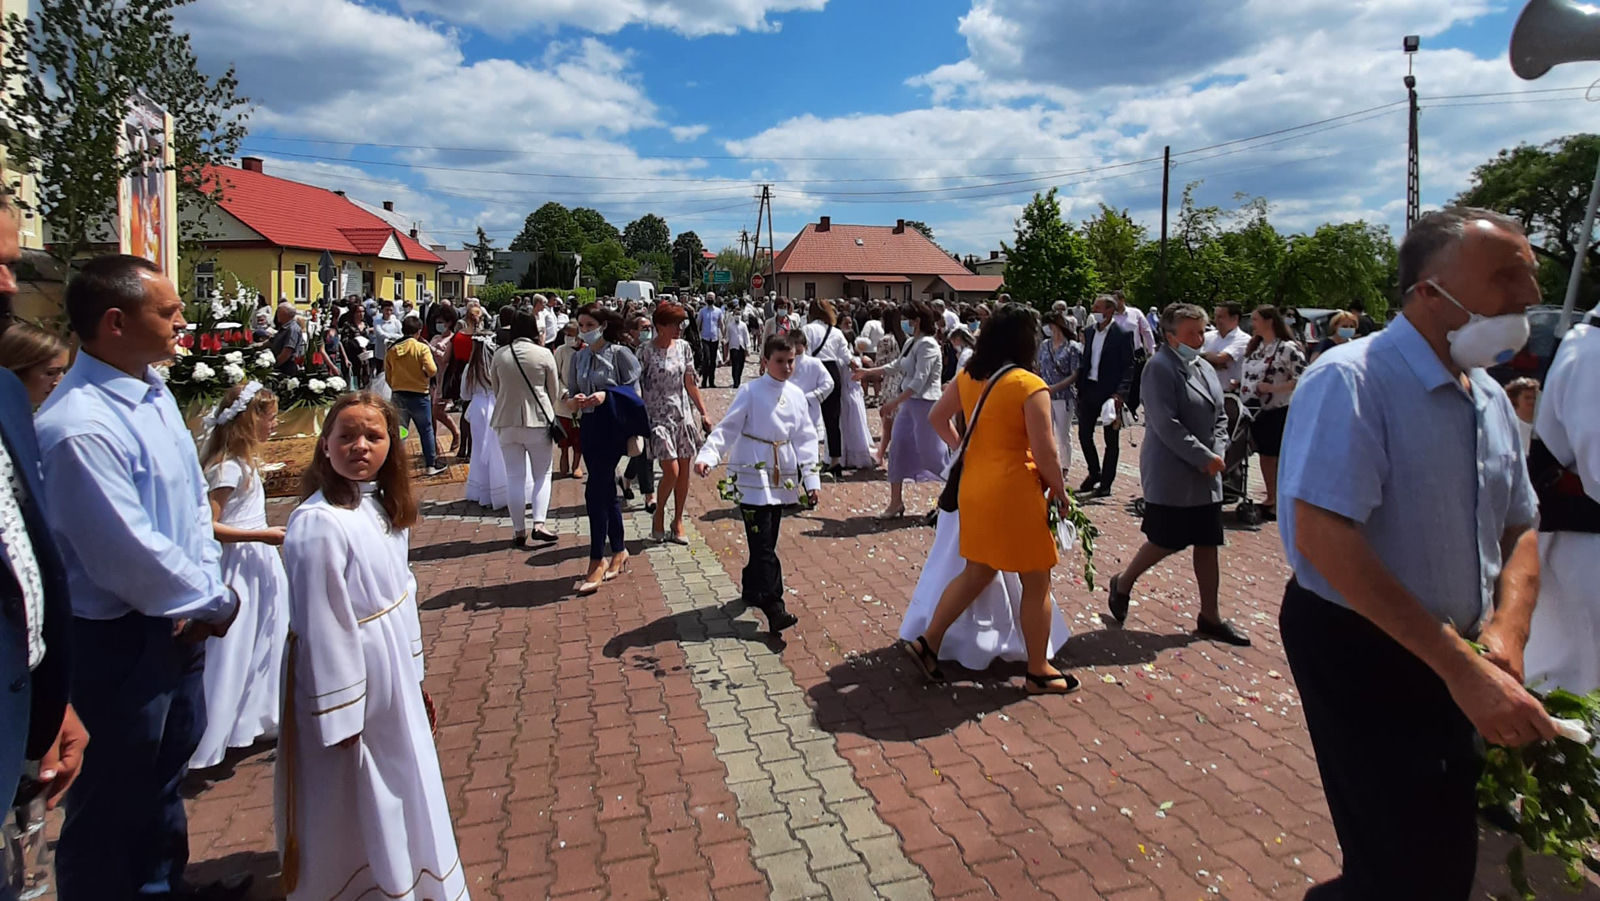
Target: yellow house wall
{"points": [[271, 270]]}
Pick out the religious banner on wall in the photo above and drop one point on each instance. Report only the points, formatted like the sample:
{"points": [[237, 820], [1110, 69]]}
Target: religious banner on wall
{"points": [[147, 200]]}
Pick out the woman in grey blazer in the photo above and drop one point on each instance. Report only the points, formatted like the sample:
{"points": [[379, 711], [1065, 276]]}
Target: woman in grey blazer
{"points": [[522, 376], [1180, 464]]}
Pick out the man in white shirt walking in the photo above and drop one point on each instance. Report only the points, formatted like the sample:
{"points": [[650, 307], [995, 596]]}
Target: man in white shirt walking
{"points": [[1144, 342]]}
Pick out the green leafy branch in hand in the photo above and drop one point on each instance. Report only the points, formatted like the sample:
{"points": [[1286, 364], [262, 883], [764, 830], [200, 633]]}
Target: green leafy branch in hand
{"points": [[1551, 790], [1085, 528]]}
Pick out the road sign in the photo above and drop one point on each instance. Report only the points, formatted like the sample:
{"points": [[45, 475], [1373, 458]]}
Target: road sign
{"points": [[722, 277], [325, 267], [756, 282]]}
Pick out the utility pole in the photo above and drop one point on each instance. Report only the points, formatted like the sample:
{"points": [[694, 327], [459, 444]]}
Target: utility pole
{"points": [[1166, 185], [1411, 45], [755, 262]]}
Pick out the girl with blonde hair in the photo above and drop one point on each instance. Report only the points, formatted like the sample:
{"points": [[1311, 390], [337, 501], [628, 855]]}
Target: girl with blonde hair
{"points": [[242, 667], [36, 357]]}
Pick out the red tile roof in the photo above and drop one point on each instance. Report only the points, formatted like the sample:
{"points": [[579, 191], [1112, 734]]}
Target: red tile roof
{"points": [[986, 284], [881, 252], [291, 214]]}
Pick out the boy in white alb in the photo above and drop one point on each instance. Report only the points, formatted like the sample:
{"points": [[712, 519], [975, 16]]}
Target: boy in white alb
{"points": [[771, 443]]}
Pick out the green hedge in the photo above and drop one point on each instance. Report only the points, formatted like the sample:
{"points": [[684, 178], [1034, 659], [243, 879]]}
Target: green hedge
{"points": [[493, 297]]}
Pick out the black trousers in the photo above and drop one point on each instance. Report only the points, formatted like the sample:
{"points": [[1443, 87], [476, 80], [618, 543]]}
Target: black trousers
{"points": [[1139, 359], [736, 362], [708, 362], [642, 469], [832, 405], [1399, 760], [762, 581], [1101, 473]]}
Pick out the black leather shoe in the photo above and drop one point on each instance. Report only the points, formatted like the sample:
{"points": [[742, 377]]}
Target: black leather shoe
{"points": [[1102, 491], [1224, 631], [229, 888], [1119, 601], [778, 620], [1088, 484]]}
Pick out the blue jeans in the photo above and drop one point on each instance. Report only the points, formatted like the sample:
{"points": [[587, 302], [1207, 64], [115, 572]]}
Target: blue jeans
{"points": [[418, 409], [141, 695]]}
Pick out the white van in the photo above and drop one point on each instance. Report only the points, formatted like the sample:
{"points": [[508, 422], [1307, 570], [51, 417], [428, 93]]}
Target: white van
{"points": [[644, 291]]}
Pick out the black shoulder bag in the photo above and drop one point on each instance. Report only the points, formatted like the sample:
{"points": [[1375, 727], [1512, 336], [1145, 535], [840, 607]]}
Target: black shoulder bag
{"points": [[951, 495], [557, 431]]}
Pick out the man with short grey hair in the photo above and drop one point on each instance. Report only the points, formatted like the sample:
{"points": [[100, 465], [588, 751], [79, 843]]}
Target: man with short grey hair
{"points": [[1407, 513], [289, 344]]}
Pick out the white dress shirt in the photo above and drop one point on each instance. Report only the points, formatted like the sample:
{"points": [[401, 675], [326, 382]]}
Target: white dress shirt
{"points": [[951, 321], [1135, 322], [548, 329], [126, 498], [1096, 344], [873, 332], [1233, 344], [827, 343]]}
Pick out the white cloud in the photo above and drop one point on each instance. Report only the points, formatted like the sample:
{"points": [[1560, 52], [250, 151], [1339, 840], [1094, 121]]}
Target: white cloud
{"points": [[683, 134], [691, 18]]}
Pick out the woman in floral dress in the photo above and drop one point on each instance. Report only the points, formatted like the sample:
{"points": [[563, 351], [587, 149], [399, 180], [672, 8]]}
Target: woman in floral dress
{"points": [[677, 413], [1272, 366]]}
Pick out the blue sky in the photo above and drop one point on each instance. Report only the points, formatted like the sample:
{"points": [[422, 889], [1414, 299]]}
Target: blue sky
{"points": [[948, 111]]}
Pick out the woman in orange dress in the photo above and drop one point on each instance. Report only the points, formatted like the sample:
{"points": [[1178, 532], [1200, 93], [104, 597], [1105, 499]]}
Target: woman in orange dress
{"points": [[1010, 459]]}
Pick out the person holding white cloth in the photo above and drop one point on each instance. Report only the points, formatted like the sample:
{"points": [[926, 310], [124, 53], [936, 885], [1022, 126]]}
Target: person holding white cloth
{"points": [[522, 376]]}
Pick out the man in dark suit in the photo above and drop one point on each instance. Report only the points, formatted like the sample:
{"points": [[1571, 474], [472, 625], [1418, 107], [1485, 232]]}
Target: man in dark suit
{"points": [[1105, 374], [36, 721]]}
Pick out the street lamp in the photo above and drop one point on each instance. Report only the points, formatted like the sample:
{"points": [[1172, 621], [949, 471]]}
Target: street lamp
{"points": [[1411, 45]]}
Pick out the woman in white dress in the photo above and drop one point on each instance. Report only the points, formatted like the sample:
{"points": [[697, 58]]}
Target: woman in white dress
{"points": [[992, 627], [361, 808], [858, 450], [487, 483], [243, 667]]}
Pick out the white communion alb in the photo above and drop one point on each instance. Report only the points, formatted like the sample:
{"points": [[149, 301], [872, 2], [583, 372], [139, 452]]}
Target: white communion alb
{"points": [[243, 667], [370, 820], [857, 435], [770, 441]]}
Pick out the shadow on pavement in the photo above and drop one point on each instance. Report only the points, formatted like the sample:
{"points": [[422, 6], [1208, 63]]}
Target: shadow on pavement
{"points": [[197, 781], [523, 594], [856, 526], [451, 550], [693, 626], [1119, 647], [263, 865]]}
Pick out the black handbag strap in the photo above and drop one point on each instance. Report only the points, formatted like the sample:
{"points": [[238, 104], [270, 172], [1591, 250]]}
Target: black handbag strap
{"points": [[978, 408], [549, 414]]}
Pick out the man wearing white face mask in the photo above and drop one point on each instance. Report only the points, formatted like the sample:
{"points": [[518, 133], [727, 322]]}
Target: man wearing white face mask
{"points": [[1406, 517]]}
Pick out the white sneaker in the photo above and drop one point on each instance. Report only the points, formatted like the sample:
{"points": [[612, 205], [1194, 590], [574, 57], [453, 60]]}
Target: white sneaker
{"points": [[437, 471]]}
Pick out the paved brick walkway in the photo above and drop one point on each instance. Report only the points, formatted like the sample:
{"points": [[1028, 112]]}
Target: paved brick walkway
{"points": [[649, 742]]}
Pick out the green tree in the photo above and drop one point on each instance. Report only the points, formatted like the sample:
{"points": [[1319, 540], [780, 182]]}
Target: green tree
{"points": [[549, 228], [605, 263], [1049, 261], [595, 227], [1546, 188], [482, 252], [647, 234], [730, 259], [1344, 265], [654, 266], [73, 67], [687, 257], [927, 231], [1114, 240]]}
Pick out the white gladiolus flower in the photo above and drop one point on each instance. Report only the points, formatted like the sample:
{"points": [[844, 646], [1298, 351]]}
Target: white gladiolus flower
{"points": [[236, 358], [336, 383], [204, 373], [265, 359], [234, 372], [291, 384], [317, 386]]}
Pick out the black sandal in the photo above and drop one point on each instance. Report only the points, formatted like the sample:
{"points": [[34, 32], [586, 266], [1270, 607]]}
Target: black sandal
{"points": [[925, 658], [1119, 601], [1046, 685]]}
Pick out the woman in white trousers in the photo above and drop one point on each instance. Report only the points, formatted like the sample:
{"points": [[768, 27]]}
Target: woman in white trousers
{"points": [[523, 378]]}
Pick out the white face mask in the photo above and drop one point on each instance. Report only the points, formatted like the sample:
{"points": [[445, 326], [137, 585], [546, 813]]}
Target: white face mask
{"points": [[591, 337], [1485, 340], [1097, 318]]}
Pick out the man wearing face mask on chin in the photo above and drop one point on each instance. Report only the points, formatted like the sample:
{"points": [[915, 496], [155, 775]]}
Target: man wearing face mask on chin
{"points": [[1406, 515]]}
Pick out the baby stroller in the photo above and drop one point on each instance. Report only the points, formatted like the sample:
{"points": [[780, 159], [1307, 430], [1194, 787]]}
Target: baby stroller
{"points": [[1236, 461], [1236, 464]]}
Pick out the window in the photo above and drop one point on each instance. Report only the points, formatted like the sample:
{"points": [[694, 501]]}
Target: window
{"points": [[302, 282], [400, 286], [811, 290], [205, 280], [888, 292], [447, 287], [422, 285]]}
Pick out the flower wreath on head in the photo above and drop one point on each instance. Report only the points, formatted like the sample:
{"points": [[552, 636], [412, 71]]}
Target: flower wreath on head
{"points": [[234, 409]]}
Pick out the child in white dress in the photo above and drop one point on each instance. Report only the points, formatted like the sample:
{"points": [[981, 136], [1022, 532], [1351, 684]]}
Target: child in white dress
{"points": [[772, 451], [243, 667], [487, 481], [361, 805]]}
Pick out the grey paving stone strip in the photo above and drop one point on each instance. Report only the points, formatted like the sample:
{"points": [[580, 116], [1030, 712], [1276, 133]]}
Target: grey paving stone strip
{"points": [[814, 831]]}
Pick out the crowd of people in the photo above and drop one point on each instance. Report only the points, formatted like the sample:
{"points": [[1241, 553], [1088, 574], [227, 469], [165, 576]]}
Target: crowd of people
{"points": [[1428, 514]]}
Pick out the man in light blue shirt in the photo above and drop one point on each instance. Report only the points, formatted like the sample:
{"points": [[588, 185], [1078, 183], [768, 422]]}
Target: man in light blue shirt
{"points": [[710, 340], [127, 502], [1408, 511]]}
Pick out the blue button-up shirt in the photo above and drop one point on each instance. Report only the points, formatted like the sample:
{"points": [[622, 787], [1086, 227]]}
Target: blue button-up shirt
{"points": [[126, 498], [1380, 433], [1058, 364]]}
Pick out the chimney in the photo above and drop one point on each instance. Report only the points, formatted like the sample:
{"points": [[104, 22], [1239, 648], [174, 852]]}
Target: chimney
{"points": [[900, 227], [413, 234], [250, 163], [994, 254], [340, 193], [388, 206], [825, 223]]}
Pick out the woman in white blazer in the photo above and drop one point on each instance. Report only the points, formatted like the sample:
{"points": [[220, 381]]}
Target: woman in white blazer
{"points": [[523, 378]]}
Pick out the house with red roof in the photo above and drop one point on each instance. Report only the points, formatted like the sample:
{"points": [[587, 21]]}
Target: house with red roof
{"points": [[271, 233], [892, 262]]}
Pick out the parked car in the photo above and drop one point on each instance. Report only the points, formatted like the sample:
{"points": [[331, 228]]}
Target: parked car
{"points": [[641, 291], [1534, 360]]}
